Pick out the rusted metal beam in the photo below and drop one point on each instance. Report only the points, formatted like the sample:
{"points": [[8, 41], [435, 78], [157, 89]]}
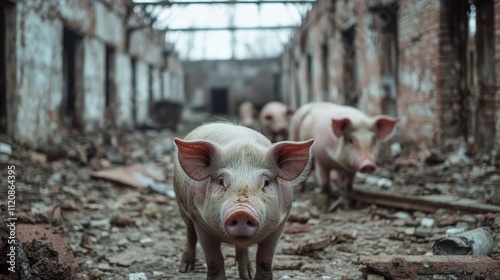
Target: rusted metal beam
{"points": [[229, 28], [170, 3]]}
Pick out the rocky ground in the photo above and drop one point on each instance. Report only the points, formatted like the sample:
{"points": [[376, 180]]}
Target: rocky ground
{"points": [[75, 225]]}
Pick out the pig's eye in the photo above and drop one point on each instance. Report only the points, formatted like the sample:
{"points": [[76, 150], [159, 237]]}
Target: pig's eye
{"points": [[267, 182], [349, 140], [220, 182]]}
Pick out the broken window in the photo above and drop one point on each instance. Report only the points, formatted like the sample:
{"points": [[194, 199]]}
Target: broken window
{"points": [[3, 72], [72, 72]]}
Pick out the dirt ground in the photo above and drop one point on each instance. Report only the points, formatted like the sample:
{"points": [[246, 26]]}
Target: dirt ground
{"points": [[101, 229]]}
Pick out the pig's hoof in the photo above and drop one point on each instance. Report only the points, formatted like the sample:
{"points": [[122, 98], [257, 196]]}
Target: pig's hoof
{"points": [[187, 263], [246, 271]]}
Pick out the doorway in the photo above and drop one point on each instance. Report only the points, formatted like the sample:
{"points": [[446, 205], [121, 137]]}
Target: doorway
{"points": [[219, 101]]}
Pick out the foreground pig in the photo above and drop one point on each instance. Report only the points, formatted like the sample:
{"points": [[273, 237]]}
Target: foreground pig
{"points": [[274, 120], [234, 186], [247, 114], [346, 141]]}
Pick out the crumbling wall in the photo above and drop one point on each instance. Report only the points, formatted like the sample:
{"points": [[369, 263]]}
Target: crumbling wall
{"points": [[419, 69], [38, 81], [123, 77], [142, 92], [93, 98], [38, 74], [497, 75], [419, 77]]}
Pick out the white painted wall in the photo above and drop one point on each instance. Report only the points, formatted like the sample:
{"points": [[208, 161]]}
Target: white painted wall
{"points": [[39, 83], [94, 75], [123, 82]]}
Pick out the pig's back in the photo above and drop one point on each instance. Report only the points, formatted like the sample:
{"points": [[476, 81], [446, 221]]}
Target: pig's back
{"points": [[311, 113], [227, 133]]}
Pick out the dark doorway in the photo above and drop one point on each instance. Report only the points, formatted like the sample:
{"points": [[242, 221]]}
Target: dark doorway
{"points": [[349, 68], [309, 75], [134, 89], [7, 62], [110, 97], [3, 72], [72, 72], [219, 100], [324, 70]]}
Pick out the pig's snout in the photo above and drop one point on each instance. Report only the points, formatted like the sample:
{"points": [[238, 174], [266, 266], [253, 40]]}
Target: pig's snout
{"points": [[241, 223], [366, 166]]}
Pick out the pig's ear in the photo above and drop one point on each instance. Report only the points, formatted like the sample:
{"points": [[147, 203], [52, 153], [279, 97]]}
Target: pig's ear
{"points": [[293, 159], [195, 157], [339, 126], [385, 125]]}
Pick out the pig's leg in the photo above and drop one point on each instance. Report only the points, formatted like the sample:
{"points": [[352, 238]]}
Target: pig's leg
{"points": [[244, 264], [323, 180], [213, 255], [346, 180], [265, 254], [189, 256]]}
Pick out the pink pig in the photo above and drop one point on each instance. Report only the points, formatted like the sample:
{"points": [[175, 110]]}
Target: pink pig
{"points": [[346, 141], [274, 120], [234, 186]]}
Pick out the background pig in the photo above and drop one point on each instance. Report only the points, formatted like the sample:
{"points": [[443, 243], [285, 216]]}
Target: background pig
{"points": [[274, 120], [248, 114], [346, 141], [234, 186]]}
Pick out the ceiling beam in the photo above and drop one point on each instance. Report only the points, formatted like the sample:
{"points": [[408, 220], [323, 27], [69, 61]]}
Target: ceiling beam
{"points": [[259, 2], [229, 28]]}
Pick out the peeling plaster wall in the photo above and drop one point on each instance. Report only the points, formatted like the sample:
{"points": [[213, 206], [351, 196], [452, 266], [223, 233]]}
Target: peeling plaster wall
{"points": [[419, 29], [156, 84], [109, 26], [142, 92], [36, 92], [38, 79], [94, 75], [497, 75], [123, 78]]}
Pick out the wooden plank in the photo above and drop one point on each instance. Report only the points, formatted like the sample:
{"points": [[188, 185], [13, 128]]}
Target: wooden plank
{"points": [[411, 267], [428, 203]]}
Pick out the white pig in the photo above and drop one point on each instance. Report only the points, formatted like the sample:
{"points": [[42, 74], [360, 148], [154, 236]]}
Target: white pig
{"points": [[234, 186], [273, 118], [346, 141]]}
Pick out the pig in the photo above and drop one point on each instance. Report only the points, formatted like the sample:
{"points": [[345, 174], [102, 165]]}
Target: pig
{"points": [[346, 141], [234, 186], [247, 114], [273, 118]]}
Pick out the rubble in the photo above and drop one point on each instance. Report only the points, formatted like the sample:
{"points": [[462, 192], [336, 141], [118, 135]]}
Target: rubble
{"points": [[115, 231]]}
